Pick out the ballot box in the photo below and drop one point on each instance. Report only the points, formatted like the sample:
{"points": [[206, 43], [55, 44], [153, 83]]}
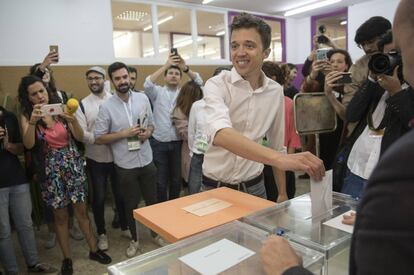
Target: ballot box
{"points": [[294, 220], [232, 248]]}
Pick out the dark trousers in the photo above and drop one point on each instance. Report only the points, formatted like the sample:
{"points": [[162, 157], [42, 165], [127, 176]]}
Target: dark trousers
{"points": [[98, 173], [167, 159], [134, 183], [270, 184]]}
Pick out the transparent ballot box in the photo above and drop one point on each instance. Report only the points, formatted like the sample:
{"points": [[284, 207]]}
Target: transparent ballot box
{"points": [[295, 221], [166, 260]]}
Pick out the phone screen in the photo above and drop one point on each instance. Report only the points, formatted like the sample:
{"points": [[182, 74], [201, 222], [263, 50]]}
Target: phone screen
{"points": [[55, 49], [174, 51], [346, 79]]}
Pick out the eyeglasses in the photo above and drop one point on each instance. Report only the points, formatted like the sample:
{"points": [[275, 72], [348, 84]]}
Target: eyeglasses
{"points": [[91, 79]]}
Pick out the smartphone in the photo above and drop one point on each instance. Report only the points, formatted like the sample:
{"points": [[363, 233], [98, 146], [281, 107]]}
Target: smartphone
{"points": [[321, 54], [54, 48], [174, 51], [52, 109], [346, 78]]}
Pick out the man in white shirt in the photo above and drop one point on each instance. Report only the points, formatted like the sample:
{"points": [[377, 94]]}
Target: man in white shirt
{"points": [[243, 106], [165, 141], [99, 158], [125, 122]]}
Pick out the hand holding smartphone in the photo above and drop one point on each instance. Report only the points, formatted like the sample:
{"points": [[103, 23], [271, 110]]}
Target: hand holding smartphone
{"points": [[174, 51], [54, 49], [52, 109], [322, 54]]}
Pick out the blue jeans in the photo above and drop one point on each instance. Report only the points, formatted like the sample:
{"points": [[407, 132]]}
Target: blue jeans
{"points": [[16, 201], [257, 190], [353, 185], [98, 174], [167, 159], [195, 177]]}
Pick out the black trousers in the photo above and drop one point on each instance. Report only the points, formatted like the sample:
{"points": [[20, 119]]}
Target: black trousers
{"points": [[135, 183], [270, 184]]}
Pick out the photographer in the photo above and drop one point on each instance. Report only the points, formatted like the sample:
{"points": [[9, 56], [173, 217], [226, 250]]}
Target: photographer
{"points": [[165, 142], [383, 106]]}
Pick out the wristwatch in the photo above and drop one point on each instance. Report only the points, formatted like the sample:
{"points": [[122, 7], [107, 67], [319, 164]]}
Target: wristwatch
{"points": [[186, 69]]}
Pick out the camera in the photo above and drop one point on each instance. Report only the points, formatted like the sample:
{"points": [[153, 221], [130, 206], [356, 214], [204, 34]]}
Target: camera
{"points": [[385, 63], [322, 39]]}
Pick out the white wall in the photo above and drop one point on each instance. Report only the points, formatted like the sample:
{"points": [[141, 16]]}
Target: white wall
{"points": [[79, 27], [298, 30]]}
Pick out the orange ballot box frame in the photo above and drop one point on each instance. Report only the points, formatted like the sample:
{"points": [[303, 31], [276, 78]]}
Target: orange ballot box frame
{"points": [[173, 223]]}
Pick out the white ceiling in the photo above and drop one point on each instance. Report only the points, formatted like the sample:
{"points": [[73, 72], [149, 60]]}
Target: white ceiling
{"points": [[273, 7]]}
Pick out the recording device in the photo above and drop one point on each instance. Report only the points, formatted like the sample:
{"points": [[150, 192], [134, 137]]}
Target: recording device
{"points": [[322, 39], [52, 109], [385, 63], [346, 78], [55, 49], [174, 51], [322, 54]]}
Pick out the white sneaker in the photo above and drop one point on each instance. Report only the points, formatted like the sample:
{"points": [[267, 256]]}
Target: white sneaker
{"points": [[160, 241], [50, 240], [132, 249], [126, 234], [103, 242]]}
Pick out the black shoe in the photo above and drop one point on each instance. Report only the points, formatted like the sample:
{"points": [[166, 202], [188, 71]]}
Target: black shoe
{"points": [[66, 268], [100, 257], [115, 221]]}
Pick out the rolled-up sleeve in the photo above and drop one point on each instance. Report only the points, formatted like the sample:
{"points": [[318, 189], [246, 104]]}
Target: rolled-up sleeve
{"points": [[88, 137], [217, 112], [150, 89], [103, 122], [276, 134], [198, 80]]}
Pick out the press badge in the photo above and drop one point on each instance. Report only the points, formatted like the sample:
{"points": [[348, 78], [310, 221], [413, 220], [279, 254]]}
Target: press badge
{"points": [[133, 144]]}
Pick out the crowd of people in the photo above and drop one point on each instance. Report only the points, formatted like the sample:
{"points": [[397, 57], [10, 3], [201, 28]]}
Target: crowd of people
{"points": [[234, 130]]}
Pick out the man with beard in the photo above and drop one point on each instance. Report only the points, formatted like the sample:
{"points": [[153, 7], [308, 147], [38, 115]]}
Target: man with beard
{"points": [[166, 142], [99, 158], [125, 122]]}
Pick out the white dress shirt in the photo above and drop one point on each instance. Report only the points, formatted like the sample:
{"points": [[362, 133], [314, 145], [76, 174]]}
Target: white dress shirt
{"points": [[231, 102], [196, 125], [91, 104], [113, 117], [163, 101]]}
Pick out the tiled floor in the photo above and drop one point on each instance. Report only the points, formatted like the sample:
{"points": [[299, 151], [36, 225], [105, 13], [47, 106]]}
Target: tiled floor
{"points": [[117, 244]]}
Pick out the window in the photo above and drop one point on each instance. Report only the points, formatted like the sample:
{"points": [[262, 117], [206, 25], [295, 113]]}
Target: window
{"points": [[132, 35], [211, 31]]}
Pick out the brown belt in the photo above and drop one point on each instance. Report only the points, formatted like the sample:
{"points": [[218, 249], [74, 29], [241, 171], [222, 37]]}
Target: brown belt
{"points": [[213, 183]]}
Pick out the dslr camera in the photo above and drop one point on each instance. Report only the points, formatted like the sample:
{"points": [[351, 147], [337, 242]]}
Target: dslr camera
{"points": [[385, 63]]}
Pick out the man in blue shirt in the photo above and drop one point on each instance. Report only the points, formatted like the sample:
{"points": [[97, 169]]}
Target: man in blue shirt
{"points": [[166, 143]]}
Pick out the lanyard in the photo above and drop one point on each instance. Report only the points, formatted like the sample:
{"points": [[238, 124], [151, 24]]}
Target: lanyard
{"points": [[128, 110]]}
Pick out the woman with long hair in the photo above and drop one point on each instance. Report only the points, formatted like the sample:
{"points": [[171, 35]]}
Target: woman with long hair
{"points": [[58, 164], [189, 93]]}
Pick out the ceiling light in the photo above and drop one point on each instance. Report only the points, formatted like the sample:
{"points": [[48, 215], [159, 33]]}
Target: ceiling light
{"points": [[343, 22], [147, 28], [151, 52], [185, 42], [220, 33], [311, 7], [132, 15], [207, 1], [338, 38]]}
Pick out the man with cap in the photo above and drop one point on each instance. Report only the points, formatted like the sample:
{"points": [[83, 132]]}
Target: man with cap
{"points": [[99, 158]]}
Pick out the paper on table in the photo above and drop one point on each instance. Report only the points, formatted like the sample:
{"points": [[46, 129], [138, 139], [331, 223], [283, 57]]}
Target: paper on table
{"points": [[206, 207], [321, 194], [217, 257], [337, 223]]}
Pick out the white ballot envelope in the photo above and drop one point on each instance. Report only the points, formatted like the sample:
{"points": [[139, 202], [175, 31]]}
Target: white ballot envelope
{"points": [[321, 194]]}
